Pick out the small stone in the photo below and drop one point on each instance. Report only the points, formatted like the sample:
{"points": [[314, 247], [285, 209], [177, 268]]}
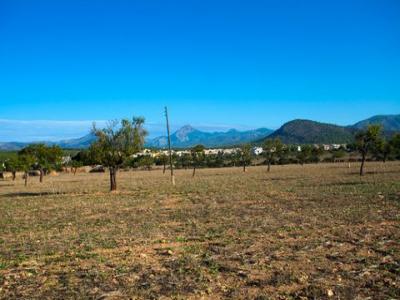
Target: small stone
{"points": [[329, 293], [387, 259], [242, 274], [164, 251], [303, 278]]}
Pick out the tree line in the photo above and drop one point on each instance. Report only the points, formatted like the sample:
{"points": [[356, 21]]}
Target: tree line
{"points": [[117, 144]]}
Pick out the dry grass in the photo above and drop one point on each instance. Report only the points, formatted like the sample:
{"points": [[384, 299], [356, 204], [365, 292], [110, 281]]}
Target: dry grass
{"points": [[309, 232]]}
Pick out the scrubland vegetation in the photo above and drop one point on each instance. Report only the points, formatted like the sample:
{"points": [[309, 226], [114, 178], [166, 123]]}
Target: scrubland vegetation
{"points": [[316, 231]]}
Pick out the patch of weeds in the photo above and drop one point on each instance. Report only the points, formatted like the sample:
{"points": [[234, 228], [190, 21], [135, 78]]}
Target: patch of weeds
{"points": [[121, 270], [213, 266], [147, 228], [19, 258], [262, 297], [184, 276], [288, 228], [3, 266], [195, 249], [102, 222], [108, 244], [213, 233], [49, 252], [391, 267], [180, 215], [281, 278], [181, 239], [85, 255], [55, 259]]}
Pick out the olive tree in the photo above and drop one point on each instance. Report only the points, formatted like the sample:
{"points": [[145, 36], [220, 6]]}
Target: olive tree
{"points": [[45, 157], [12, 165], [74, 165], [366, 141], [24, 163], [245, 156], [395, 145], [304, 154], [117, 142], [272, 148], [163, 159], [197, 153], [146, 162]]}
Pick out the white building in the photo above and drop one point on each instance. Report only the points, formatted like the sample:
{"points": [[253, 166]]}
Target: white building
{"points": [[327, 147], [257, 150]]}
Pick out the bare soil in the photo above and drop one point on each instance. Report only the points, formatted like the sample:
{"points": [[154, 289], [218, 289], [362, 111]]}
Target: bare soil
{"points": [[299, 232]]}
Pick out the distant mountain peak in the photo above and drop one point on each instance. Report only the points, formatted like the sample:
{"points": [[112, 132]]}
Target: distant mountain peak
{"points": [[183, 133], [187, 127]]}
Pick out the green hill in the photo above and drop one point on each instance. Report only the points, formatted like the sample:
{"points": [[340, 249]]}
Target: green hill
{"points": [[390, 123], [311, 132]]}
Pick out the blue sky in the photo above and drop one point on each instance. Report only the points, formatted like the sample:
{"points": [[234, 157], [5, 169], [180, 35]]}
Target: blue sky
{"points": [[216, 64]]}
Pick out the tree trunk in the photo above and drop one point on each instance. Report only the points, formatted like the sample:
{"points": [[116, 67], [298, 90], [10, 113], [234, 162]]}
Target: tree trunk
{"points": [[269, 165], [26, 178], [164, 169], [362, 165], [113, 179], [14, 175], [194, 171], [244, 167], [41, 175]]}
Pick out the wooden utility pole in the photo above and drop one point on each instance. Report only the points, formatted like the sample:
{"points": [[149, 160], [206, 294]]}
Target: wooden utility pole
{"points": [[169, 148]]}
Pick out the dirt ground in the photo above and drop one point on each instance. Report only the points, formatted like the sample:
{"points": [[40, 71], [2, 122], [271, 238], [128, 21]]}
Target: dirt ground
{"points": [[299, 232]]}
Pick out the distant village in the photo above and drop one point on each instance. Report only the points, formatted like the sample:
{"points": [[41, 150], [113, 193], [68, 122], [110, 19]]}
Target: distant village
{"points": [[256, 150]]}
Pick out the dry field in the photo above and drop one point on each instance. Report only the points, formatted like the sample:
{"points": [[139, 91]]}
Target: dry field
{"points": [[311, 232]]}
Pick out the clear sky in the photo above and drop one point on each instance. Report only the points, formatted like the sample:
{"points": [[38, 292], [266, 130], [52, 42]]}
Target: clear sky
{"points": [[216, 64]]}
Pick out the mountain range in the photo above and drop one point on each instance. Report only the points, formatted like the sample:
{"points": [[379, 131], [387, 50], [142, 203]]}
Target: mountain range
{"points": [[188, 136], [78, 143], [293, 132]]}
